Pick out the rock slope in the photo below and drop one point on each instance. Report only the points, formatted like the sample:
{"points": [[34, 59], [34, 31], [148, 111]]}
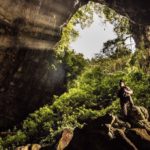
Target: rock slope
{"points": [[111, 132]]}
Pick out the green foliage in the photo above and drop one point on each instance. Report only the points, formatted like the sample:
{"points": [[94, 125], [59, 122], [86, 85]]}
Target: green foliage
{"points": [[68, 34], [91, 95], [1, 143], [141, 59], [113, 108], [115, 48], [138, 80], [72, 63], [14, 140]]}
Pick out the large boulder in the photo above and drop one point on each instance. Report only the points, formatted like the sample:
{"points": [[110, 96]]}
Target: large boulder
{"points": [[110, 132], [138, 116], [29, 147], [140, 138], [138, 113]]}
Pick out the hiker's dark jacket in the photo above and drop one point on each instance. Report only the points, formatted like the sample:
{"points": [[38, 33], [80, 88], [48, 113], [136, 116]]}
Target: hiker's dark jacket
{"points": [[124, 97]]}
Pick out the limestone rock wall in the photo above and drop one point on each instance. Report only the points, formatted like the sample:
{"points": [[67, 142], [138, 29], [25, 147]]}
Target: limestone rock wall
{"points": [[35, 24], [29, 29]]}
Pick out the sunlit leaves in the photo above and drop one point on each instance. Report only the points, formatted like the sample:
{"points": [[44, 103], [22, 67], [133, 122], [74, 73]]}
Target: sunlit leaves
{"points": [[115, 48]]}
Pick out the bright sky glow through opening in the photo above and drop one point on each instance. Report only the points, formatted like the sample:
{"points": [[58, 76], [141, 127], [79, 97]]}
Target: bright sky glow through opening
{"points": [[91, 39]]}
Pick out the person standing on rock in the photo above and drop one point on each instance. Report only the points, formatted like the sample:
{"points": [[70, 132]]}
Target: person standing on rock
{"points": [[124, 94]]}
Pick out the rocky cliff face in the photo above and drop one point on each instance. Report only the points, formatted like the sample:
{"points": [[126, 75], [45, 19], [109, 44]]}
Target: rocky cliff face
{"points": [[29, 31]]}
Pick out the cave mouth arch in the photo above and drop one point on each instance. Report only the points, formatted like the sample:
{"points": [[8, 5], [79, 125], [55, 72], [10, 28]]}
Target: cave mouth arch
{"points": [[95, 24]]}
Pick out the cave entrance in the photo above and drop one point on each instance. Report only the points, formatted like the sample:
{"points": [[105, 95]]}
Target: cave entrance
{"points": [[94, 25]]}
